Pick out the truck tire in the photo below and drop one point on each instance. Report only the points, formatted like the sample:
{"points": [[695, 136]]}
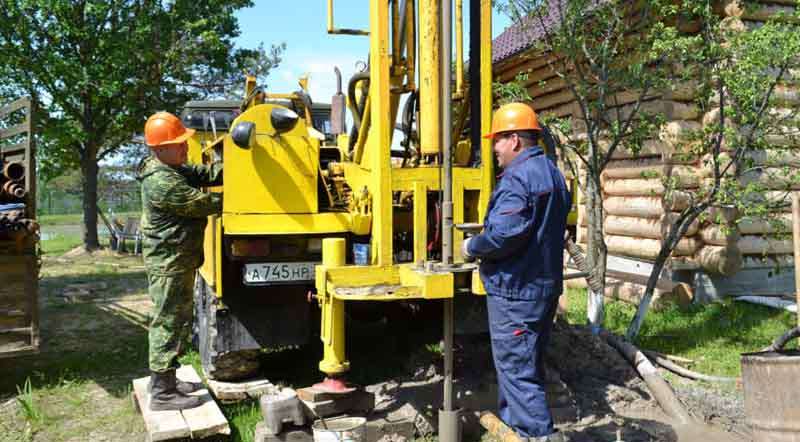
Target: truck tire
{"points": [[218, 362]]}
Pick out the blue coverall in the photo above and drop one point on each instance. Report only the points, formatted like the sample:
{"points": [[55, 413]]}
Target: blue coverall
{"points": [[521, 250]]}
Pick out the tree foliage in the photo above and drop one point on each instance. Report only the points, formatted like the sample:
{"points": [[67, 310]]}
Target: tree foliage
{"points": [[96, 69], [614, 57], [753, 128], [620, 59]]}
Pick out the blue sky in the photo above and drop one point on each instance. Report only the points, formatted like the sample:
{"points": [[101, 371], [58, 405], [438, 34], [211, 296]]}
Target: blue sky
{"points": [[302, 25]]}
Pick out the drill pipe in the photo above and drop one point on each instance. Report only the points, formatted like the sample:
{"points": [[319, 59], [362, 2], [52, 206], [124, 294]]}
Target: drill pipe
{"points": [[13, 189], [14, 171], [13, 221]]}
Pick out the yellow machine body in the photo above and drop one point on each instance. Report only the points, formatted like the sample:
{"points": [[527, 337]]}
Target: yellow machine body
{"points": [[277, 174], [277, 186]]}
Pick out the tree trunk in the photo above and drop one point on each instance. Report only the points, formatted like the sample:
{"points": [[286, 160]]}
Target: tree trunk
{"points": [[597, 251], [89, 182], [678, 231]]}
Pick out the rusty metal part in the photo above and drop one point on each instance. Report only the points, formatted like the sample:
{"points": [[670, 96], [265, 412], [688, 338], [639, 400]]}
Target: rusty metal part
{"points": [[14, 221], [334, 385], [770, 400], [14, 171], [13, 189]]}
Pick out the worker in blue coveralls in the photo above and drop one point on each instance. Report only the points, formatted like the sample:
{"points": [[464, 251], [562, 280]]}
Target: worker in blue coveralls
{"points": [[521, 253]]}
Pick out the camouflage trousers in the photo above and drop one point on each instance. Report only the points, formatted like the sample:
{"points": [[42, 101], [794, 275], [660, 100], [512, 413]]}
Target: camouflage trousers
{"points": [[171, 323]]}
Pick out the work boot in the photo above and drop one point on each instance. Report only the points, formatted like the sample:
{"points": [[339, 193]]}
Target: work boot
{"points": [[182, 386], [164, 394]]}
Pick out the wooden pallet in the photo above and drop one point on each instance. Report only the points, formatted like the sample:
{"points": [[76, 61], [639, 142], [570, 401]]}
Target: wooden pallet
{"points": [[195, 423]]}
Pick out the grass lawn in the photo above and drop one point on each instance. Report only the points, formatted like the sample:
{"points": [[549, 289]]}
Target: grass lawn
{"points": [[62, 233], [80, 381], [74, 219], [713, 335], [58, 243]]}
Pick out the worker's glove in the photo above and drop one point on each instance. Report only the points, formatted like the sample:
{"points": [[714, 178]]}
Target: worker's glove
{"points": [[465, 250]]}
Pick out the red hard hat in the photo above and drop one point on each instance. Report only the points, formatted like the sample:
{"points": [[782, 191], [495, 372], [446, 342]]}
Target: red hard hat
{"points": [[163, 128]]}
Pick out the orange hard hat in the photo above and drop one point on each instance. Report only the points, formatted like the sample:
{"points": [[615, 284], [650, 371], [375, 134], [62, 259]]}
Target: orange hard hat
{"points": [[163, 128], [513, 117]]}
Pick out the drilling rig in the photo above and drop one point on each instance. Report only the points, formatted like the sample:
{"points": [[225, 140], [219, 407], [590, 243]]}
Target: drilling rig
{"points": [[315, 210]]}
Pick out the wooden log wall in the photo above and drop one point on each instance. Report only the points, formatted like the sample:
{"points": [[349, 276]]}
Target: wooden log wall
{"points": [[638, 209]]}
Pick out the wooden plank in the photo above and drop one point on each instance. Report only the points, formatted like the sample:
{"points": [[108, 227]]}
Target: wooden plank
{"points": [[20, 351], [207, 419], [238, 391], [13, 149], [161, 425], [14, 106], [16, 330], [14, 130], [15, 312], [632, 270]]}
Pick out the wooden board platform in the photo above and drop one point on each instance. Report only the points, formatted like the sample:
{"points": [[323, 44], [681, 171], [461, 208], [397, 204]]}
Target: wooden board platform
{"points": [[228, 392], [196, 423]]}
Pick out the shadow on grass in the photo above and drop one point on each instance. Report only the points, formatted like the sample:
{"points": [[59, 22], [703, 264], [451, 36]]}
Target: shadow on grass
{"points": [[713, 334], [100, 337]]}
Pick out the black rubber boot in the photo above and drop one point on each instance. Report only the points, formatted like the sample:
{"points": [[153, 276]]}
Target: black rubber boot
{"points": [[164, 394], [181, 386]]}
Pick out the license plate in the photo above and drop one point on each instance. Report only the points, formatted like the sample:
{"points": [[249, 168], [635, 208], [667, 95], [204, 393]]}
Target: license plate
{"points": [[277, 272]]}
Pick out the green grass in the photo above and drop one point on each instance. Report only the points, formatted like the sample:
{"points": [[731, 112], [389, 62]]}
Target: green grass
{"points": [[74, 219], [713, 335], [60, 243], [80, 382]]}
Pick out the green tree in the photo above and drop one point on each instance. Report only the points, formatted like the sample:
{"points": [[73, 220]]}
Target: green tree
{"points": [[96, 70], [618, 58], [747, 78], [613, 56]]}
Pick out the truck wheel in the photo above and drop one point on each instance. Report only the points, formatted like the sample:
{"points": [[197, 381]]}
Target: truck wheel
{"points": [[218, 362]]}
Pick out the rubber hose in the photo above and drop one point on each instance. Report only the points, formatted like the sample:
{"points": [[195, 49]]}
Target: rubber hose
{"points": [[660, 389], [579, 259], [408, 121], [685, 372], [779, 343], [358, 107]]}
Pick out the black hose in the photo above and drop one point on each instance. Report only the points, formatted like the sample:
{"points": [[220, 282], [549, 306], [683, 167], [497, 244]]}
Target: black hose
{"points": [[779, 343], [409, 110], [358, 107], [683, 371]]}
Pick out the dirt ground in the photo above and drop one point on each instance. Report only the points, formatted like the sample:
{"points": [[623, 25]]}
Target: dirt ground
{"points": [[593, 392], [93, 322]]}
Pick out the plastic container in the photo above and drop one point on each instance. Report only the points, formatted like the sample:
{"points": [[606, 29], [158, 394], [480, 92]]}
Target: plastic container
{"points": [[361, 254], [345, 429]]}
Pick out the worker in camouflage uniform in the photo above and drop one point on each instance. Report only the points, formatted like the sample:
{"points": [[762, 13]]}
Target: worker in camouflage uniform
{"points": [[174, 212]]}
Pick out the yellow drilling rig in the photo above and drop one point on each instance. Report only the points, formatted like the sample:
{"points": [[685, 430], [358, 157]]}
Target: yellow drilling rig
{"points": [[314, 210]]}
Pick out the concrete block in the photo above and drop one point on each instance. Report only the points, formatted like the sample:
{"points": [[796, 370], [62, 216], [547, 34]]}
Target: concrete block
{"points": [[383, 430], [290, 434], [359, 401]]}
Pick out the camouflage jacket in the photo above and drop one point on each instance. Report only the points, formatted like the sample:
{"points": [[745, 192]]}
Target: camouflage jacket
{"points": [[174, 213]]}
